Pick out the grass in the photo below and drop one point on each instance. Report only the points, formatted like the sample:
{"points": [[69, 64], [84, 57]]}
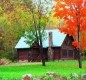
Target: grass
{"points": [[64, 68]]}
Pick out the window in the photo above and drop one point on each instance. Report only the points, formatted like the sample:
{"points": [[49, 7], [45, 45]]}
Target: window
{"points": [[67, 53], [64, 53], [70, 53]]}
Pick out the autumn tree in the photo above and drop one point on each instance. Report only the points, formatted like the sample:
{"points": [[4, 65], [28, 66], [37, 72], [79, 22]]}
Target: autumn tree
{"points": [[13, 23], [73, 12], [18, 16]]}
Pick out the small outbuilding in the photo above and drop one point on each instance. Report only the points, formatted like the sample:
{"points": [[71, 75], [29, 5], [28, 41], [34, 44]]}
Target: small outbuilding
{"points": [[57, 46]]}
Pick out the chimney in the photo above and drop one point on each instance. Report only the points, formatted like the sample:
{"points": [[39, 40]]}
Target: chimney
{"points": [[50, 50], [50, 39]]}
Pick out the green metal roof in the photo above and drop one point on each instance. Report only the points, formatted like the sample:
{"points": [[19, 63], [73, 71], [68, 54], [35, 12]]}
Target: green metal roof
{"points": [[57, 39]]}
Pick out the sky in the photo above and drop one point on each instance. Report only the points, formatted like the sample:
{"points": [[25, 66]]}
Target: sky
{"points": [[45, 3]]}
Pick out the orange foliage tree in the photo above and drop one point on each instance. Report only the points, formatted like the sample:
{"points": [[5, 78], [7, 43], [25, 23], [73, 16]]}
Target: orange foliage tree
{"points": [[73, 12]]}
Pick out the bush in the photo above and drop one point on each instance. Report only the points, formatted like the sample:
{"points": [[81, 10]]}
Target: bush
{"points": [[48, 76], [9, 56], [4, 61], [52, 76]]}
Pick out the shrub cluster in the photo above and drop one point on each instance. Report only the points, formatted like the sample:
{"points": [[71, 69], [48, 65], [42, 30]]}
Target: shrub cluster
{"points": [[4, 61], [50, 76], [54, 76], [9, 56]]}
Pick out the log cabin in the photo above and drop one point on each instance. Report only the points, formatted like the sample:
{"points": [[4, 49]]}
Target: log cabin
{"points": [[57, 46]]}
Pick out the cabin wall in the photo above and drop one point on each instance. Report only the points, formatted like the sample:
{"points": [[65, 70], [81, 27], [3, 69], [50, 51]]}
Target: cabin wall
{"points": [[22, 55], [30, 55], [67, 49], [56, 51]]}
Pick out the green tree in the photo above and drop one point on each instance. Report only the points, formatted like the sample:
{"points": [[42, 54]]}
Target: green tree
{"points": [[39, 20]]}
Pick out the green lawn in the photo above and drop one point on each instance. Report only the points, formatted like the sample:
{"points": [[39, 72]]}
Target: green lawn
{"points": [[64, 68]]}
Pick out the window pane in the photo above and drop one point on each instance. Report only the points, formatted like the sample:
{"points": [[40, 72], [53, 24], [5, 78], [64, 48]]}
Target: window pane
{"points": [[70, 53], [64, 53]]}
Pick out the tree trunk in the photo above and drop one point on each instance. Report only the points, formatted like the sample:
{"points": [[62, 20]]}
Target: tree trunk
{"points": [[79, 52], [41, 52], [79, 59]]}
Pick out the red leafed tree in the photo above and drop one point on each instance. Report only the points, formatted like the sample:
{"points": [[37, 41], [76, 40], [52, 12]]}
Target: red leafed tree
{"points": [[73, 12]]}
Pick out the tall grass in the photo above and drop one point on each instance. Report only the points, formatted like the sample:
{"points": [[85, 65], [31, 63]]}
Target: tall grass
{"points": [[64, 68]]}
